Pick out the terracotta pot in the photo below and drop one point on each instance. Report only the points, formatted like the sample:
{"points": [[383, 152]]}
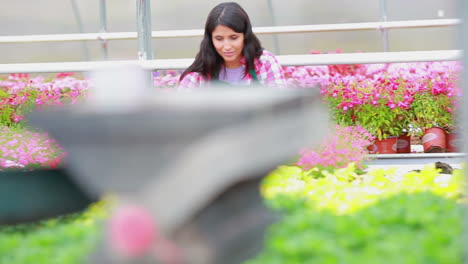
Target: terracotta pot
{"points": [[384, 146], [404, 144], [434, 140], [452, 142]]}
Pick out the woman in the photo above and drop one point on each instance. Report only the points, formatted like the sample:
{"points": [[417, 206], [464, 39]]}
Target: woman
{"points": [[231, 53]]}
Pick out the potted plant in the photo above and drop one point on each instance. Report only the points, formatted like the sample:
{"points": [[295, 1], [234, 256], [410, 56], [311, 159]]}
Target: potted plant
{"points": [[433, 110], [378, 105]]}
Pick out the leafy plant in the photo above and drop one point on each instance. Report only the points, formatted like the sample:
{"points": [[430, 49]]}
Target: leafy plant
{"points": [[64, 240], [346, 217], [20, 94], [379, 105], [426, 227], [346, 190], [343, 146], [21, 147], [387, 100], [435, 102]]}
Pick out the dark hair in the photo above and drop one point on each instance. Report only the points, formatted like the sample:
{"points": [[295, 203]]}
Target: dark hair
{"points": [[229, 14]]}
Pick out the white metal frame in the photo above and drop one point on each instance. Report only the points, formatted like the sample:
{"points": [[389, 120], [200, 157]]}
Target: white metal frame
{"points": [[144, 35], [258, 30], [284, 60]]}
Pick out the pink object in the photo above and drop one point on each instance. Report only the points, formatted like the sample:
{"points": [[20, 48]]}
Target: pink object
{"points": [[384, 146], [434, 140], [167, 252], [64, 74], [404, 144], [452, 142], [132, 230]]}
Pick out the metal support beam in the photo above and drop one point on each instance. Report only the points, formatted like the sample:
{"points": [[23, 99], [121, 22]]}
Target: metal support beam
{"points": [[145, 50], [103, 29], [273, 21], [258, 30], [383, 18], [79, 23], [463, 120], [284, 60]]}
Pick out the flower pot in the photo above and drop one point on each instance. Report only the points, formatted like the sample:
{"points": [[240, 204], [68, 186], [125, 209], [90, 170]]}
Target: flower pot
{"points": [[384, 146], [452, 142], [434, 140], [404, 144]]}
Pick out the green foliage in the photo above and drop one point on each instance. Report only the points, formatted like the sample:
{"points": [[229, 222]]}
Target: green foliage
{"points": [[63, 240], [20, 95], [370, 104], [380, 121], [344, 190], [405, 228], [9, 110], [346, 217], [431, 111]]}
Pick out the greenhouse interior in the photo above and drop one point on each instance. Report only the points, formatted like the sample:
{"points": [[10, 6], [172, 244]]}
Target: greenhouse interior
{"points": [[219, 132]]}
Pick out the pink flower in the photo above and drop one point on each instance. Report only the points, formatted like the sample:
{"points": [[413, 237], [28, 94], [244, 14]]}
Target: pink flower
{"points": [[345, 145], [18, 76], [28, 148], [132, 230], [391, 105], [15, 118], [64, 74]]}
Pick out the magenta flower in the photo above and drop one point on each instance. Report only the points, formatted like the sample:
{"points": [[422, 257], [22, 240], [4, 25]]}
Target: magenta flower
{"points": [[132, 231], [26, 148], [345, 145]]}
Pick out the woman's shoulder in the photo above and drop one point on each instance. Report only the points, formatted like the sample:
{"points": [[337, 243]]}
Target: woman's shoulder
{"points": [[193, 75], [267, 58], [192, 79], [269, 70]]}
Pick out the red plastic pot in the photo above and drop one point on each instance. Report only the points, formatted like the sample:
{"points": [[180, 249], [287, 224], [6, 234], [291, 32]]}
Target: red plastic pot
{"points": [[404, 144], [434, 140], [384, 146], [452, 142]]}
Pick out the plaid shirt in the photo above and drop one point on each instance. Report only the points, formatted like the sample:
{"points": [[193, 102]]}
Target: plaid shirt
{"points": [[267, 68]]}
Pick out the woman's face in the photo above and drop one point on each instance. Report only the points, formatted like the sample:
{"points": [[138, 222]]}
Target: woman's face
{"points": [[229, 45]]}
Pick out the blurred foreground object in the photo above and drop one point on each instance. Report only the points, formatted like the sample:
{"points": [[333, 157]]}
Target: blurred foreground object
{"points": [[185, 166], [31, 195]]}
